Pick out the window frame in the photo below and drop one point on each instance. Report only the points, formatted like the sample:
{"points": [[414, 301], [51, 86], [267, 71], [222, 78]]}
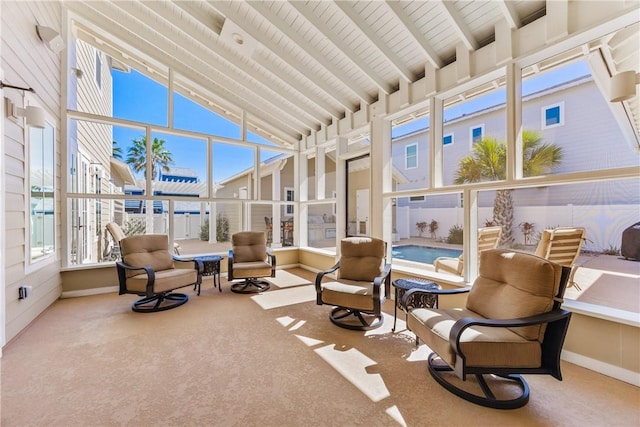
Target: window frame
{"points": [[31, 263], [543, 115], [288, 207], [407, 156], [471, 129], [448, 135]]}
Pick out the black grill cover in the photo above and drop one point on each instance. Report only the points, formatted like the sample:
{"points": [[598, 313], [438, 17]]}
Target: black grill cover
{"points": [[631, 242]]}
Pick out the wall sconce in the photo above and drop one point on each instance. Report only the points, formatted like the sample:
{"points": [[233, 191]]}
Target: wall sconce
{"points": [[51, 37], [77, 72], [33, 115], [623, 86]]}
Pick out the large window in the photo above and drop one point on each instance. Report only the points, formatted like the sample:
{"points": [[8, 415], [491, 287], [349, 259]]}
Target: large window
{"points": [[478, 117], [203, 177], [41, 191]]}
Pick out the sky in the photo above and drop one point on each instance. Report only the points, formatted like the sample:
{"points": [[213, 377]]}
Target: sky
{"points": [[139, 98]]}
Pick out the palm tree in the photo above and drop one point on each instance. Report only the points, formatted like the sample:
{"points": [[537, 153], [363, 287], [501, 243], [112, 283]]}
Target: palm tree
{"points": [[116, 152], [160, 156], [487, 162]]}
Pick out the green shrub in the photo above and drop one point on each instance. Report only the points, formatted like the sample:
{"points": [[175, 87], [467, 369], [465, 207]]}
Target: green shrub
{"points": [[204, 230], [455, 235], [222, 228]]}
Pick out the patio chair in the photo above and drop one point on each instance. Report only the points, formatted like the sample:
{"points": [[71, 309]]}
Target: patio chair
{"points": [[250, 259], [118, 234], [512, 324], [363, 284], [488, 238], [562, 245], [148, 269]]}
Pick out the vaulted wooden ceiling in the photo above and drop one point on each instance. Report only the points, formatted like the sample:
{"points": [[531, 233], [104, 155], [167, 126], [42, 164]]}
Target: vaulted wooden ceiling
{"points": [[293, 67]]}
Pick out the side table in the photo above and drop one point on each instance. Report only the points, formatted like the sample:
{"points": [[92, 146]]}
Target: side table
{"points": [[418, 299], [211, 264]]}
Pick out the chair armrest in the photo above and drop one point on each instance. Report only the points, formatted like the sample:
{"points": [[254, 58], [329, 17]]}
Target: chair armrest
{"points": [[180, 262], [385, 276], [320, 276], [122, 276], [147, 269], [407, 295], [461, 324], [230, 265], [271, 259]]}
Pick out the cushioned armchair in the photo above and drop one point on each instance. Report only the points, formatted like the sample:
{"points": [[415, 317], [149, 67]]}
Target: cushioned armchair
{"points": [[250, 259], [488, 238], [512, 324], [362, 286], [148, 269]]}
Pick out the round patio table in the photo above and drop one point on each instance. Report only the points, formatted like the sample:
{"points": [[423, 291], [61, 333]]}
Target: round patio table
{"points": [[418, 299]]}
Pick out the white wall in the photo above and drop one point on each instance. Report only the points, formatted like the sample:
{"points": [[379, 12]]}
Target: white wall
{"points": [[26, 61]]}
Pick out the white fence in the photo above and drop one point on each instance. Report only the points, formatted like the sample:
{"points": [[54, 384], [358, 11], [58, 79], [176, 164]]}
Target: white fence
{"points": [[604, 223]]}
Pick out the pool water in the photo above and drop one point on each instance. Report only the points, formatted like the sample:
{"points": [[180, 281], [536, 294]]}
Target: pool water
{"points": [[424, 254]]}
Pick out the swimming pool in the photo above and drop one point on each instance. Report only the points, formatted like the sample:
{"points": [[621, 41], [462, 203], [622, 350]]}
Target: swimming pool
{"points": [[424, 254]]}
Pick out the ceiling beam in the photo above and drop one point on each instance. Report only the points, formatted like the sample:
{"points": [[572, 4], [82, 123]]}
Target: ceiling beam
{"points": [[376, 41], [206, 20], [103, 15], [458, 24], [160, 33], [510, 13], [432, 55], [310, 74], [339, 44], [265, 77], [283, 27]]}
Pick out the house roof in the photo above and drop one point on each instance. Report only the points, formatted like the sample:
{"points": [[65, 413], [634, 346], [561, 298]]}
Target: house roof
{"points": [[294, 69]]}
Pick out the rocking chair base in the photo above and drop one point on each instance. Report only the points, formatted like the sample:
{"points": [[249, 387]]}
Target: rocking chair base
{"points": [[488, 400], [354, 319], [159, 302], [250, 286]]}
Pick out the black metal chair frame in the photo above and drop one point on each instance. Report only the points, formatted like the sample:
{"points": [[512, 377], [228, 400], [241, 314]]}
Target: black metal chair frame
{"points": [[153, 301], [367, 320], [557, 324], [251, 285]]}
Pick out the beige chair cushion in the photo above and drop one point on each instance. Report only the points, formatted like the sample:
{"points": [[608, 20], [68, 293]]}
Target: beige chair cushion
{"points": [[349, 293], [248, 270], [361, 258], [512, 285], [248, 246], [482, 346], [166, 280], [147, 250]]}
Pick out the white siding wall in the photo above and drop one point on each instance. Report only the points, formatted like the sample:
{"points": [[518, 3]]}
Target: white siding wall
{"points": [[26, 61]]}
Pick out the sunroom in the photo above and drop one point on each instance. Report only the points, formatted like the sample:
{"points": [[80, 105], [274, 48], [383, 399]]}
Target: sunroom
{"points": [[317, 121]]}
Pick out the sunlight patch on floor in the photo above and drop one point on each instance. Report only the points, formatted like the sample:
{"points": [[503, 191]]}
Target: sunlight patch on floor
{"points": [[285, 320], [419, 354], [352, 365], [309, 342], [394, 413], [284, 297], [284, 279]]}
